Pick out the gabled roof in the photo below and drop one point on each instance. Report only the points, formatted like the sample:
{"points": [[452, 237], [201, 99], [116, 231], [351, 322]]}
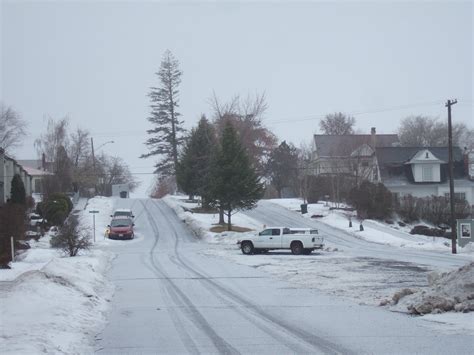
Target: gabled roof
{"points": [[401, 155], [343, 145], [36, 172], [35, 164]]}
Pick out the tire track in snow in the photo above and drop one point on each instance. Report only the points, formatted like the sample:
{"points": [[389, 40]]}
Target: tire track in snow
{"points": [[302, 335], [193, 313]]}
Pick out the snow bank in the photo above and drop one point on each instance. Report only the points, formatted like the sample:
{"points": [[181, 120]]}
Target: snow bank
{"points": [[450, 291], [57, 309], [51, 303], [201, 223]]}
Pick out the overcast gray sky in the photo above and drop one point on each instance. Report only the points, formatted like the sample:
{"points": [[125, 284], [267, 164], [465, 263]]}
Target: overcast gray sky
{"points": [[95, 61]]}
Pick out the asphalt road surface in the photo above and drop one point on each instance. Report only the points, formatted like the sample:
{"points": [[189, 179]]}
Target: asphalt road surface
{"points": [[172, 299]]}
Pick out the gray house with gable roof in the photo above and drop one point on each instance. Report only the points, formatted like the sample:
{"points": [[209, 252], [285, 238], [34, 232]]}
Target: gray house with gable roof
{"points": [[423, 171]]}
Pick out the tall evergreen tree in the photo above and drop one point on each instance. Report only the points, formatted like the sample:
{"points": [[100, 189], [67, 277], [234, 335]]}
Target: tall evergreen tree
{"points": [[234, 183], [282, 167], [17, 192], [167, 134], [194, 165]]}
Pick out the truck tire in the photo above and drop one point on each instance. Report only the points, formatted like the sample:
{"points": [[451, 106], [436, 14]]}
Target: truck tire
{"points": [[247, 248], [296, 248], [307, 251]]}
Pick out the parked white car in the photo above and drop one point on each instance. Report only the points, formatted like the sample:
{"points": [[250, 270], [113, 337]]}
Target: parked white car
{"points": [[123, 212], [298, 240], [35, 220]]}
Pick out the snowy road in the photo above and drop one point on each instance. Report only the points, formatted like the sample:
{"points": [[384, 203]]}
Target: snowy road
{"points": [[171, 298], [272, 214]]}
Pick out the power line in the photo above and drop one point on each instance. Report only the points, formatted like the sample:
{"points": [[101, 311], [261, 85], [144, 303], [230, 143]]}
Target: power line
{"points": [[130, 133]]}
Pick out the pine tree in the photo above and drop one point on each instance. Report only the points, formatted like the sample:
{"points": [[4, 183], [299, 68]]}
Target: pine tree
{"points": [[193, 168], [166, 136], [234, 183], [17, 192], [282, 167]]}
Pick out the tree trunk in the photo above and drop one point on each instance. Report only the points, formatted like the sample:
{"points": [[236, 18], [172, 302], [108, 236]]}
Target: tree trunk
{"points": [[221, 216], [279, 193], [191, 197], [229, 224]]}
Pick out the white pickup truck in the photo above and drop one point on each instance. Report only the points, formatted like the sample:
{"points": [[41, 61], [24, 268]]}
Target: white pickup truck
{"points": [[298, 240]]}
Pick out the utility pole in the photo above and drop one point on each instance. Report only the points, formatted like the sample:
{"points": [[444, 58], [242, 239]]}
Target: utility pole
{"points": [[451, 178], [93, 166]]}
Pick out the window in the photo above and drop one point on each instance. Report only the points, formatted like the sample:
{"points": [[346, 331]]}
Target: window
{"points": [[427, 173], [266, 232], [275, 232], [365, 164], [427, 155]]}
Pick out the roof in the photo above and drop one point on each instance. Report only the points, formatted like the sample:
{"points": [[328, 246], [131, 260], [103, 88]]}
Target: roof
{"points": [[36, 172], [35, 164], [343, 145], [400, 155]]}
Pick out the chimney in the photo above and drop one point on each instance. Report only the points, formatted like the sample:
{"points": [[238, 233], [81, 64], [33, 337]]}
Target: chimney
{"points": [[43, 162], [373, 138]]}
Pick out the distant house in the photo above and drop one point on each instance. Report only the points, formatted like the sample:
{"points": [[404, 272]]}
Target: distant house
{"points": [[38, 169], [423, 171], [352, 154], [9, 167]]}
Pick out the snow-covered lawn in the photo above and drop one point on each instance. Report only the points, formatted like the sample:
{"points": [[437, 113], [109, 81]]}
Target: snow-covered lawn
{"points": [[374, 231], [366, 280], [51, 303]]}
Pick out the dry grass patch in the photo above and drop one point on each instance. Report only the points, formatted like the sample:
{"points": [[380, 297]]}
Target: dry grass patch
{"points": [[223, 228]]}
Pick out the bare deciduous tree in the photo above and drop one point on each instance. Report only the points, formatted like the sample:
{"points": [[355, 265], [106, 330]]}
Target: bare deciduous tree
{"points": [[424, 131], [55, 136], [337, 124], [79, 148], [246, 116], [12, 128], [113, 170]]}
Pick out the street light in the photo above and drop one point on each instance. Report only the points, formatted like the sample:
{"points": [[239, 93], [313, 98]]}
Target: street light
{"points": [[100, 146]]}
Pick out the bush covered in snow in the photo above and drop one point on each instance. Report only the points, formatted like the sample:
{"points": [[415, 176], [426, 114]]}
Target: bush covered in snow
{"points": [[69, 239], [450, 291]]}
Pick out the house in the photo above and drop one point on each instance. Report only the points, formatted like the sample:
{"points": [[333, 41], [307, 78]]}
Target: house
{"points": [[351, 154], [9, 167], [423, 171], [38, 169]]}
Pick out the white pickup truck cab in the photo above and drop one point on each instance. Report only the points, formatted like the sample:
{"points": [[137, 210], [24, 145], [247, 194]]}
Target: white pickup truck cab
{"points": [[298, 240]]}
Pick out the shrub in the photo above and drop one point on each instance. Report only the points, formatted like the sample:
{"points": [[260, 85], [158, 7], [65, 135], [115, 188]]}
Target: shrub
{"points": [[63, 197], [69, 239], [18, 195], [12, 224], [433, 209], [55, 211], [407, 209], [372, 200]]}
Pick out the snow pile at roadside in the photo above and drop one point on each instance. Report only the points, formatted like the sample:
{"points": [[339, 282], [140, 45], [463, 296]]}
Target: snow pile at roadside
{"points": [[451, 291], [374, 231], [201, 223], [51, 303], [57, 309]]}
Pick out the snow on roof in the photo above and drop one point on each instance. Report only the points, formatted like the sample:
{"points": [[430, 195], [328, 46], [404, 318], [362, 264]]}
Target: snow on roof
{"points": [[36, 172]]}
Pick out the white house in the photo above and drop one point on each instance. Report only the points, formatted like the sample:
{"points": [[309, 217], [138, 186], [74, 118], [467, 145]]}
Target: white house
{"points": [[423, 171], [9, 167]]}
